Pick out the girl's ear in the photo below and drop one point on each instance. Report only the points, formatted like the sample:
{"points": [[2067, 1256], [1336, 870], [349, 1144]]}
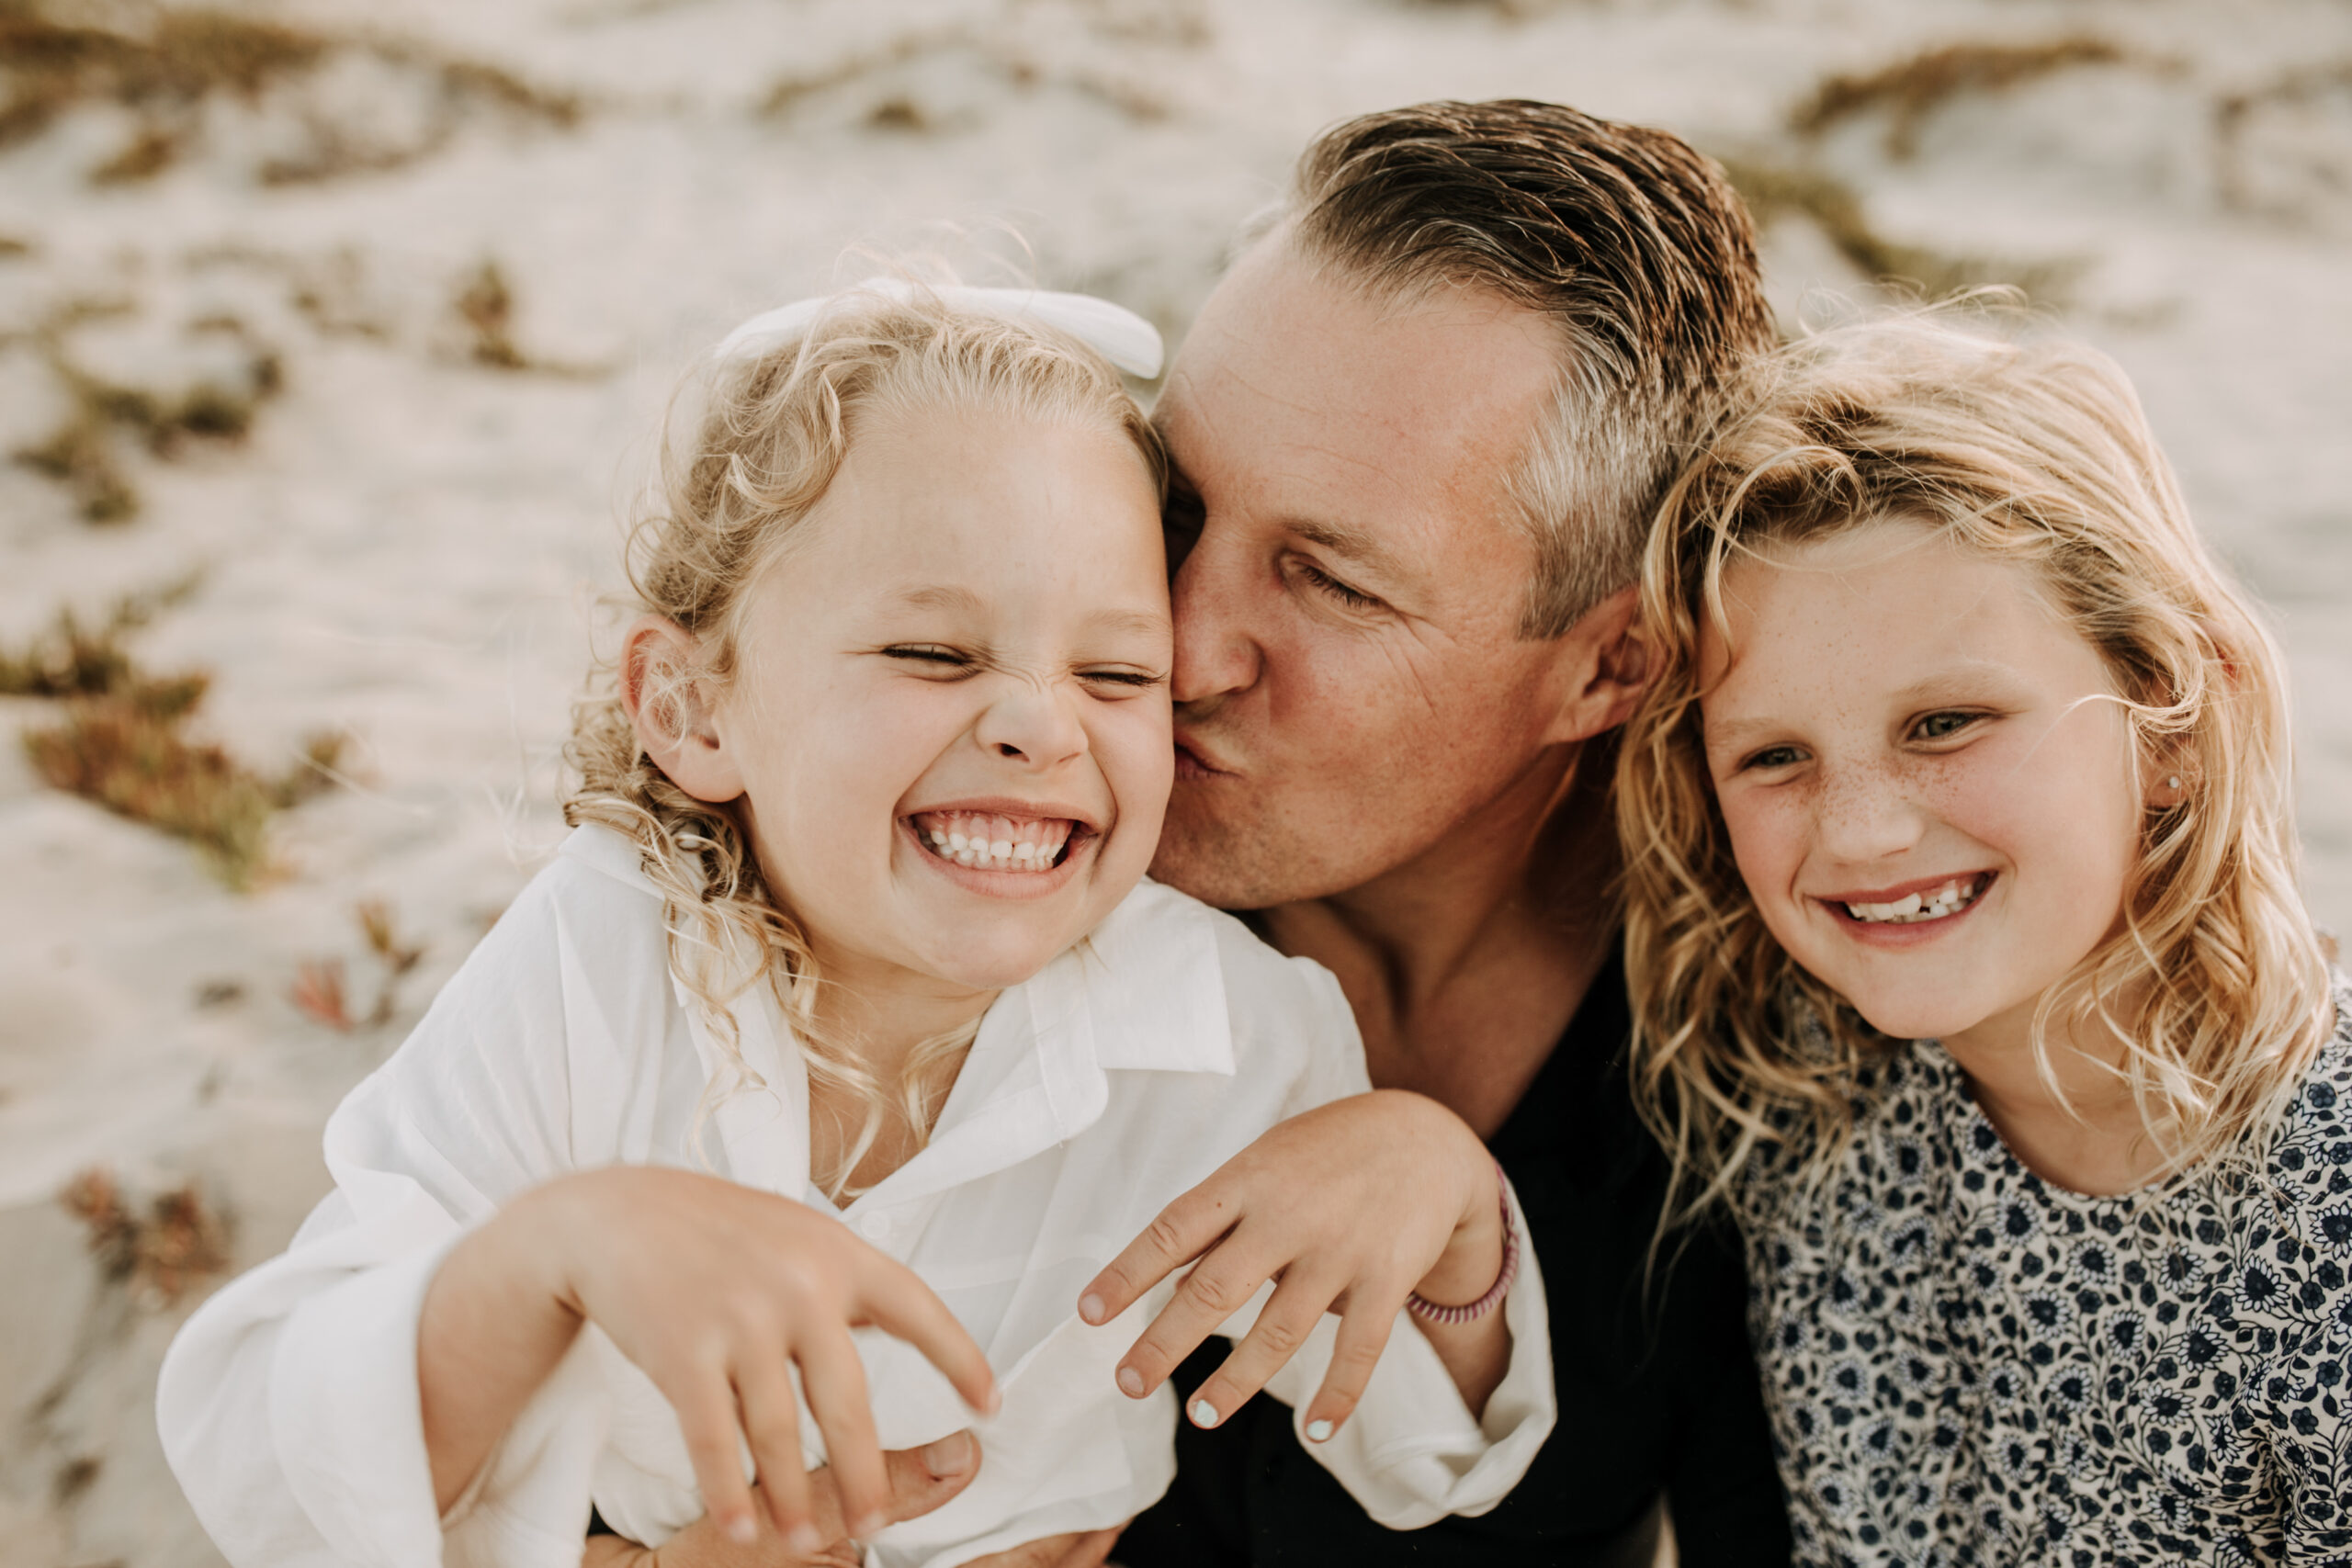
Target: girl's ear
{"points": [[1606, 662], [667, 704]]}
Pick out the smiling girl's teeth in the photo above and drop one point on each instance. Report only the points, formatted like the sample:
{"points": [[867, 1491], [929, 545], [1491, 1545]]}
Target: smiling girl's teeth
{"points": [[990, 842], [1913, 909]]}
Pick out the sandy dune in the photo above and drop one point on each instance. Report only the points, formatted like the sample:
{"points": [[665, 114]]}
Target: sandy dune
{"points": [[353, 322]]}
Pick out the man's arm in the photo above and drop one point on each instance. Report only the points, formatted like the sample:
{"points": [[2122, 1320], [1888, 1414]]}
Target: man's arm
{"points": [[1724, 1487]]}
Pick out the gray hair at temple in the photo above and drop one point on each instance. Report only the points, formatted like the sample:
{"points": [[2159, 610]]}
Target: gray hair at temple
{"points": [[1631, 240]]}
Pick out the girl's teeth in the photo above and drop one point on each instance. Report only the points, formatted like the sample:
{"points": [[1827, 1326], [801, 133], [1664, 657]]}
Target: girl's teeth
{"points": [[995, 843], [1912, 909]]}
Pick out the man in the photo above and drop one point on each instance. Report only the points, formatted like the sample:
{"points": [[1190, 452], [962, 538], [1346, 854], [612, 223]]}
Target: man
{"points": [[1418, 432]]}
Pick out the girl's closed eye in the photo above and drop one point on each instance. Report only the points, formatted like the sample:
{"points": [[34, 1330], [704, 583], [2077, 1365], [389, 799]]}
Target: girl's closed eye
{"points": [[933, 659], [1116, 681]]}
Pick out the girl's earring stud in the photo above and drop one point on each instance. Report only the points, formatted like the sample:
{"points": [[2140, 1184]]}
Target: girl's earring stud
{"points": [[2173, 783]]}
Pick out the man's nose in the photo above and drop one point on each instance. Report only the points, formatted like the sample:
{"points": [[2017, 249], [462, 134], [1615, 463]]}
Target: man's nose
{"points": [[1033, 722], [1216, 653]]}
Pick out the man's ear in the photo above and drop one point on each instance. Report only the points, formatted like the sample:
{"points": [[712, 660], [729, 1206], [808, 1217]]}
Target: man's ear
{"points": [[667, 703], [1606, 664]]}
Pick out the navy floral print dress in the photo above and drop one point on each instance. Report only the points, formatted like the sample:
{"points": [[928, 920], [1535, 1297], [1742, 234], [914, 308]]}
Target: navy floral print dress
{"points": [[1966, 1365]]}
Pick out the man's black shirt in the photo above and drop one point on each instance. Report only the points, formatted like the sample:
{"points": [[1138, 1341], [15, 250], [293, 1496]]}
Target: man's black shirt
{"points": [[1658, 1390]]}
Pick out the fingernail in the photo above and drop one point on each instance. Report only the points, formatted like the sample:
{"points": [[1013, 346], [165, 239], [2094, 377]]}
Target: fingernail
{"points": [[1318, 1431], [1204, 1413], [951, 1455], [1131, 1382], [806, 1540], [1089, 1307], [743, 1531]]}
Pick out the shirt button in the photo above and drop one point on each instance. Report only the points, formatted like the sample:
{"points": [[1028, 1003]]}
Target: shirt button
{"points": [[874, 1227]]}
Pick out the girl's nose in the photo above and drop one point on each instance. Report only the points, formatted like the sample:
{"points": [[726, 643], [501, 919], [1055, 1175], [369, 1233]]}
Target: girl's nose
{"points": [[1866, 816], [1033, 723]]}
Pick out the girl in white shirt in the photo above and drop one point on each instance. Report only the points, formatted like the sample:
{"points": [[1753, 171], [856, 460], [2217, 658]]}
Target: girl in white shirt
{"points": [[789, 1113]]}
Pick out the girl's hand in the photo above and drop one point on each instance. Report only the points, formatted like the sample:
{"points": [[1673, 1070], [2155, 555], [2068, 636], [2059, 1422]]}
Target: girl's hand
{"points": [[1352, 1207], [715, 1290]]}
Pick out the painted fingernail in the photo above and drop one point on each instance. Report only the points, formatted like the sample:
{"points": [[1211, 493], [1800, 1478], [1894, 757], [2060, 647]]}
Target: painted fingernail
{"points": [[1131, 1382], [951, 1455], [743, 1531], [806, 1540], [1318, 1431], [1204, 1413], [1089, 1307]]}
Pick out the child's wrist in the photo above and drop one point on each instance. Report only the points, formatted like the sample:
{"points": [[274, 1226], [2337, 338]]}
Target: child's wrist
{"points": [[1478, 1257]]}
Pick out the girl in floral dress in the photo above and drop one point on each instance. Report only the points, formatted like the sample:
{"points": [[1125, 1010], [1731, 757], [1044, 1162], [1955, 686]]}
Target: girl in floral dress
{"points": [[1970, 967]]}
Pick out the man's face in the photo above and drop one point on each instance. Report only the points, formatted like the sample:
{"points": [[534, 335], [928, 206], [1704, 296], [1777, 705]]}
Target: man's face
{"points": [[1350, 679]]}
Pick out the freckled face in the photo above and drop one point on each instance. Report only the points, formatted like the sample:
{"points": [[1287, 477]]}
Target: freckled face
{"points": [[1927, 795], [951, 710]]}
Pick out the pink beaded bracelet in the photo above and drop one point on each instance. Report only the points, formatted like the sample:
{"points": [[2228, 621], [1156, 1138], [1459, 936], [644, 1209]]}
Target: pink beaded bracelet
{"points": [[1470, 1312]]}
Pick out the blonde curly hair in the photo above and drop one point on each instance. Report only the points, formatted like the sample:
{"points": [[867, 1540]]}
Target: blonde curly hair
{"points": [[764, 437], [2031, 452]]}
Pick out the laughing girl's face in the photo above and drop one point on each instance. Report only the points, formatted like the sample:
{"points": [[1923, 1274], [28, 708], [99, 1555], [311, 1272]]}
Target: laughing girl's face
{"points": [[1928, 786], [950, 715]]}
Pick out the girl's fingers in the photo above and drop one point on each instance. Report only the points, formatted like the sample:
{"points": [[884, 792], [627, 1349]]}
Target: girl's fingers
{"points": [[1364, 1328], [897, 1302], [1182, 1232], [834, 1380], [708, 1419], [771, 1419], [1289, 1317], [1219, 1287]]}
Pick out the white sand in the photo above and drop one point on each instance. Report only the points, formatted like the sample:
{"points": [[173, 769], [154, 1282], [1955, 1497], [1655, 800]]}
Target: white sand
{"points": [[409, 546]]}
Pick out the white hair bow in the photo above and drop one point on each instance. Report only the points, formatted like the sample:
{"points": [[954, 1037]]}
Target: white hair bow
{"points": [[1115, 332]]}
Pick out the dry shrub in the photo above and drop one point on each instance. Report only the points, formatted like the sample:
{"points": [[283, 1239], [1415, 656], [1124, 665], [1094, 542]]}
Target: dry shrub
{"points": [[321, 992], [82, 452], [57, 55], [1910, 90], [122, 742], [484, 306], [1773, 190], [2302, 85], [897, 111], [177, 1243]]}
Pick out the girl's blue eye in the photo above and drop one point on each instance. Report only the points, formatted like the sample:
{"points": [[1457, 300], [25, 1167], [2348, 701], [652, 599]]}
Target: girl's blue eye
{"points": [[1943, 726], [1774, 757]]}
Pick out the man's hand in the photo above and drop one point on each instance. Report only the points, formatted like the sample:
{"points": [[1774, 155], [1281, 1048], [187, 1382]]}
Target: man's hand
{"points": [[1351, 1207], [920, 1480]]}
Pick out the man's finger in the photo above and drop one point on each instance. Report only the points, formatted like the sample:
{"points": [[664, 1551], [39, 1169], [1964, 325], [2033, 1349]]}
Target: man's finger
{"points": [[1182, 1232], [896, 1301], [1293, 1313], [921, 1479], [1090, 1549]]}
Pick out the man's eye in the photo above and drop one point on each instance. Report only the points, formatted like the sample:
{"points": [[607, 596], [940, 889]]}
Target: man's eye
{"points": [[1326, 583], [1943, 726]]}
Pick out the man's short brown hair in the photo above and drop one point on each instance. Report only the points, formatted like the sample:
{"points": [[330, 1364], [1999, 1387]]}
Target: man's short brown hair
{"points": [[1630, 239]]}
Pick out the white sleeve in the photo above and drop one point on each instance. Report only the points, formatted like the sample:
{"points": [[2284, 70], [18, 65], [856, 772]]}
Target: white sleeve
{"points": [[289, 1404], [1412, 1453]]}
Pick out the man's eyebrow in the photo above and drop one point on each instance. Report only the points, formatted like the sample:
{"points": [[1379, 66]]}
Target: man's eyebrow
{"points": [[1352, 543]]}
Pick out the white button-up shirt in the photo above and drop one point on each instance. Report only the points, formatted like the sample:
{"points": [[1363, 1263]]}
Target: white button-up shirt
{"points": [[1118, 1076]]}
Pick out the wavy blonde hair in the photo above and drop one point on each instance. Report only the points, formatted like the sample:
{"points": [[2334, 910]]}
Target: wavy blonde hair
{"points": [[764, 438], [2032, 453]]}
